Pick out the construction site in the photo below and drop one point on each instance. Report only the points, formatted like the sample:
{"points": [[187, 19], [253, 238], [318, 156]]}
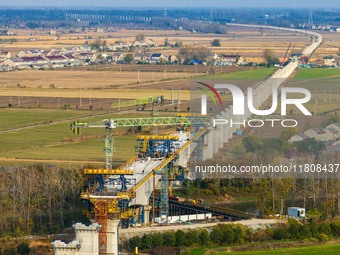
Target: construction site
{"points": [[139, 192]]}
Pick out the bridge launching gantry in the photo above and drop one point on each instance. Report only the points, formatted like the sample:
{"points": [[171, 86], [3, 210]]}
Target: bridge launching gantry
{"points": [[115, 196]]}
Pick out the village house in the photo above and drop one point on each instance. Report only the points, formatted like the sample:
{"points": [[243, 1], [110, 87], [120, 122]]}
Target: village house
{"points": [[172, 59], [75, 49], [55, 52], [30, 53], [330, 61], [229, 60], [157, 58], [335, 125], [86, 57], [334, 132], [139, 44], [10, 33], [297, 138], [117, 56], [151, 43], [57, 60], [72, 60], [115, 47], [4, 55], [334, 128], [86, 48], [3, 67], [26, 62], [142, 58], [146, 43], [119, 46], [320, 134]]}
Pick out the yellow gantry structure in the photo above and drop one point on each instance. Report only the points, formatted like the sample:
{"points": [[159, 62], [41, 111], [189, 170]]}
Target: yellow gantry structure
{"points": [[147, 138], [104, 171], [105, 204]]}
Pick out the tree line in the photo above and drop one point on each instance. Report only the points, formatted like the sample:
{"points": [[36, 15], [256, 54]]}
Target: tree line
{"points": [[230, 234], [314, 191], [39, 199]]}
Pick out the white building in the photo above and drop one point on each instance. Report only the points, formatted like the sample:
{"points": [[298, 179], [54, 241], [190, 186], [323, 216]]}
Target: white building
{"points": [[319, 134], [157, 58], [86, 242], [231, 59], [117, 56], [297, 138], [4, 55]]}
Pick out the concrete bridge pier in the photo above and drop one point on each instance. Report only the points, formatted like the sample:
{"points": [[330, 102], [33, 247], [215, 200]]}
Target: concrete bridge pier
{"points": [[112, 236], [246, 110], [214, 140], [225, 128], [220, 129], [207, 149], [228, 114]]}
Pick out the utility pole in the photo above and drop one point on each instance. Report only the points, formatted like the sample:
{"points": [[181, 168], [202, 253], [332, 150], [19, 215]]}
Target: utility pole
{"points": [[172, 96], [179, 99], [81, 94], [18, 97], [153, 198], [310, 19]]}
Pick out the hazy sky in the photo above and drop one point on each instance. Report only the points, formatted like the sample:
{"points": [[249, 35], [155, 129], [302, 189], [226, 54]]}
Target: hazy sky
{"points": [[175, 3]]}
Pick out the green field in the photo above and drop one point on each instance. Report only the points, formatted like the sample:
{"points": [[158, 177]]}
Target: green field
{"points": [[18, 117], [256, 74], [313, 73], [329, 249], [324, 85], [56, 141]]}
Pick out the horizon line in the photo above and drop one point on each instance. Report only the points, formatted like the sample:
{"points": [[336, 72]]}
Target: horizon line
{"points": [[156, 8]]}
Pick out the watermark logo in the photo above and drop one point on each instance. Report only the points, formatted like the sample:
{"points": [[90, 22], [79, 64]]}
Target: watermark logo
{"points": [[239, 99], [211, 91]]}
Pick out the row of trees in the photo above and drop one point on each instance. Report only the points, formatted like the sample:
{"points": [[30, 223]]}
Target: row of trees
{"points": [[21, 249], [227, 234], [39, 199], [273, 195], [188, 53], [310, 190]]}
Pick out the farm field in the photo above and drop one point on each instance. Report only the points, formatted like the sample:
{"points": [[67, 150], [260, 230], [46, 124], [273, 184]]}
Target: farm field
{"points": [[55, 140], [327, 249], [315, 73], [39, 93], [88, 93], [82, 79], [256, 74], [49, 137], [17, 118], [249, 44], [324, 85], [330, 46]]}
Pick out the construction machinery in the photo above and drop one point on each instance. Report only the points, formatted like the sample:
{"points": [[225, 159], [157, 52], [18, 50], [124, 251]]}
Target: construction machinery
{"points": [[112, 193], [139, 102], [284, 58]]}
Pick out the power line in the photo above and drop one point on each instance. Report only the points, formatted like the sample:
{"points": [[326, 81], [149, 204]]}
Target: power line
{"points": [[310, 19]]}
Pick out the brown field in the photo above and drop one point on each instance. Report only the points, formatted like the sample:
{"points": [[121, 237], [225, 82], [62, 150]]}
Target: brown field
{"points": [[77, 79], [249, 44], [71, 93], [330, 45], [193, 69]]}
